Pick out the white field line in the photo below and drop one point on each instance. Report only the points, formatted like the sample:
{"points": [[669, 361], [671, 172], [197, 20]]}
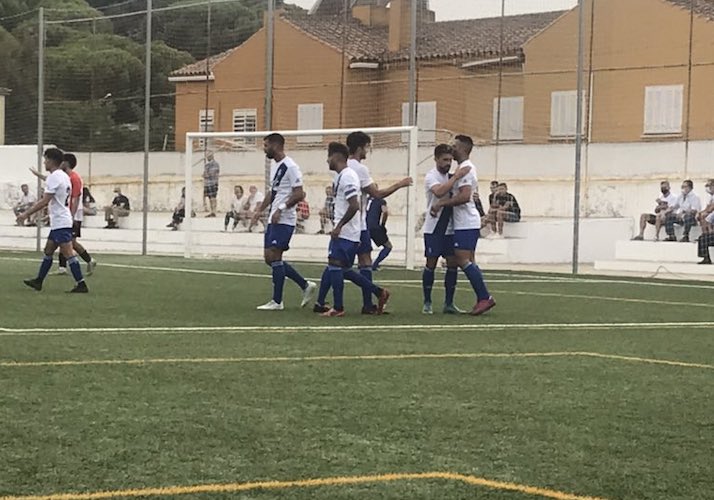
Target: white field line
{"points": [[475, 328]]}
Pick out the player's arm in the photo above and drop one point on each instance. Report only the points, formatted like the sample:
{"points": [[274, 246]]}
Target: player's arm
{"points": [[261, 208], [352, 210], [37, 174], [40, 205], [440, 190], [385, 214], [383, 193], [463, 196], [296, 196]]}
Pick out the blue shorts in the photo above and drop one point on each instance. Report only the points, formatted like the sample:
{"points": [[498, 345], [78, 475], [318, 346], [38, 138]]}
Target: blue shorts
{"points": [[466, 239], [438, 245], [278, 236], [60, 236], [365, 243], [343, 251]]}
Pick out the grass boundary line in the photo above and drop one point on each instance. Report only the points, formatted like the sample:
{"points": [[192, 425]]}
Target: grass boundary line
{"points": [[311, 483], [356, 357]]}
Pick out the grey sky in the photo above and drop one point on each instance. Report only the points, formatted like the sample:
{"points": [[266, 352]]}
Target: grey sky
{"points": [[469, 9]]}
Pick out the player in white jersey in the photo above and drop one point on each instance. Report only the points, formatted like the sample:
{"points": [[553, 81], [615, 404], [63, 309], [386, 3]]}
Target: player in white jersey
{"points": [[439, 228], [286, 193], [345, 238], [57, 195], [358, 143], [467, 224]]}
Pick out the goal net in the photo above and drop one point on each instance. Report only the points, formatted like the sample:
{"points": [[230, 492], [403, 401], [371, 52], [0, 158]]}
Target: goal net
{"points": [[395, 153]]}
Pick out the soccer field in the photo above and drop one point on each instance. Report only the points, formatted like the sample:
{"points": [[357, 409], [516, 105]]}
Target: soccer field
{"points": [[165, 382]]}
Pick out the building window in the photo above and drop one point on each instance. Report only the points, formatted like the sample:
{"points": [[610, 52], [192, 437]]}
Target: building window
{"points": [[310, 117], [564, 114], [663, 109], [426, 121], [245, 120], [510, 127], [205, 124]]}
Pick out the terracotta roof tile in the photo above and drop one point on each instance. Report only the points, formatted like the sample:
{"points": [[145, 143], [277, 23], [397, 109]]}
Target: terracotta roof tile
{"points": [[704, 8], [199, 67]]}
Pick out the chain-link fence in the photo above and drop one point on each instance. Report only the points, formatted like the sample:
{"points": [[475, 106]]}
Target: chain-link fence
{"points": [[508, 78]]}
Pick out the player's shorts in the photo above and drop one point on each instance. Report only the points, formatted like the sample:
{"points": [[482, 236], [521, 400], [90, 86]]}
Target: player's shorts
{"points": [[278, 236], [344, 251], [210, 191], [512, 217], [365, 243], [466, 239], [379, 235], [60, 236], [438, 245], [77, 229]]}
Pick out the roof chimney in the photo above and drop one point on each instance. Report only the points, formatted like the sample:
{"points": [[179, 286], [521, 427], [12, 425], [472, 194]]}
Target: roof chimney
{"points": [[400, 20]]}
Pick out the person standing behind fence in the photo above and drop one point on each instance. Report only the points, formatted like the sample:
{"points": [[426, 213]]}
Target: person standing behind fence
{"points": [[684, 212], [211, 172]]}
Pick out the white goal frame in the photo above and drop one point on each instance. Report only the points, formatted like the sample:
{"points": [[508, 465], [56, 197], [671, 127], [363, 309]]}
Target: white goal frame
{"points": [[412, 146]]}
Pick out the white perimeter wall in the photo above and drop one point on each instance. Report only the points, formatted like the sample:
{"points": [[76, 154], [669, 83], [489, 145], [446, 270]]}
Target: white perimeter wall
{"points": [[619, 180]]}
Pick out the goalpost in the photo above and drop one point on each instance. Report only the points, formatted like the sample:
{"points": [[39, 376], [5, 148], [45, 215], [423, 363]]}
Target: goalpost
{"points": [[393, 156]]}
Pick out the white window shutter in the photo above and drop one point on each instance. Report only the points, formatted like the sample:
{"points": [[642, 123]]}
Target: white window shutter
{"points": [[426, 121], [564, 113], [664, 105], [310, 117], [511, 119]]}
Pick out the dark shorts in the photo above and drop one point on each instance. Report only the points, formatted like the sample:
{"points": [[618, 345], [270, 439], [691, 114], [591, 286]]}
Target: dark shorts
{"points": [[379, 235], [466, 239], [512, 217], [210, 191], [438, 245], [651, 219], [77, 229], [365, 243], [343, 251], [60, 236], [278, 236]]}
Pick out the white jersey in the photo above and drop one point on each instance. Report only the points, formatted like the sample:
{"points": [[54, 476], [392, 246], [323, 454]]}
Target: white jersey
{"points": [[285, 176], [365, 180], [346, 187], [466, 216], [59, 186], [434, 178]]}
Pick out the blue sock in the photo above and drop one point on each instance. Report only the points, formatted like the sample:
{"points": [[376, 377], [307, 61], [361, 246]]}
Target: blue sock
{"points": [[76, 270], [473, 273], [278, 280], [45, 267], [325, 285], [452, 276], [291, 273], [427, 283], [337, 278], [382, 255], [362, 282], [366, 272]]}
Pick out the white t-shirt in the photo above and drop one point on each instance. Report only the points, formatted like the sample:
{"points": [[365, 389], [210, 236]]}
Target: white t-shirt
{"points": [[285, 176], [365, 180], [466, 216], [237, 204], [346, 187], [671, 199], [59, 186], [255, 201], [434, 178], [691, 202], [28, 199]]}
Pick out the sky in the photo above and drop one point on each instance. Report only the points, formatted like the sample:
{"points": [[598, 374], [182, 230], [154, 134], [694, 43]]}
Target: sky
{"points": [[469, 9]]}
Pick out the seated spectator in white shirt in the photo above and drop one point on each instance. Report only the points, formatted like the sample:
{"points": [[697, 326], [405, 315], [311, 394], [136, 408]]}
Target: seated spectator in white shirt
{"points": [[255, 200], [664, 201], [236, 212], [684, 212], [706, 216], [27, 199]]}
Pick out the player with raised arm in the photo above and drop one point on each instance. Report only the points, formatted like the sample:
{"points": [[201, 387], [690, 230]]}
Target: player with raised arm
{"points": [[57, 197], [439, 228], [345, 238], [467, 224], [286, 192], [357, 144]]}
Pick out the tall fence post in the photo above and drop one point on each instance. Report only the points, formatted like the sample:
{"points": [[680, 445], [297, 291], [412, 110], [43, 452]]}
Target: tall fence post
{"points": [[147, 127], [40, 112], [269, 67], [412, 64], [579, 135]]}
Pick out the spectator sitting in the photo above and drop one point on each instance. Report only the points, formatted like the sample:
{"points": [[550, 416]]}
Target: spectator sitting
{"points": [[327, 213], [179, 212], [684, 212], [27, 199], [493, 187], [706, 216], [303, 214], [663, 202], [254, 201], [119, 208], [211, 172], [504, 208], [236, 212], [88, 202]]}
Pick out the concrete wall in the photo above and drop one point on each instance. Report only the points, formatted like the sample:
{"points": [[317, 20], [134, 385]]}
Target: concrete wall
{"points": [[619, 180]]}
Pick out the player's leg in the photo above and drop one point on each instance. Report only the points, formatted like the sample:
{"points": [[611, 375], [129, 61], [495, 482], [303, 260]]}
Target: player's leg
{"points": [[427, 283], [274, 258], [451, 277], [383, 254], [341, 257], [364, 259], [45, 266], [465, 244], [66, 249], [282, 234]]}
